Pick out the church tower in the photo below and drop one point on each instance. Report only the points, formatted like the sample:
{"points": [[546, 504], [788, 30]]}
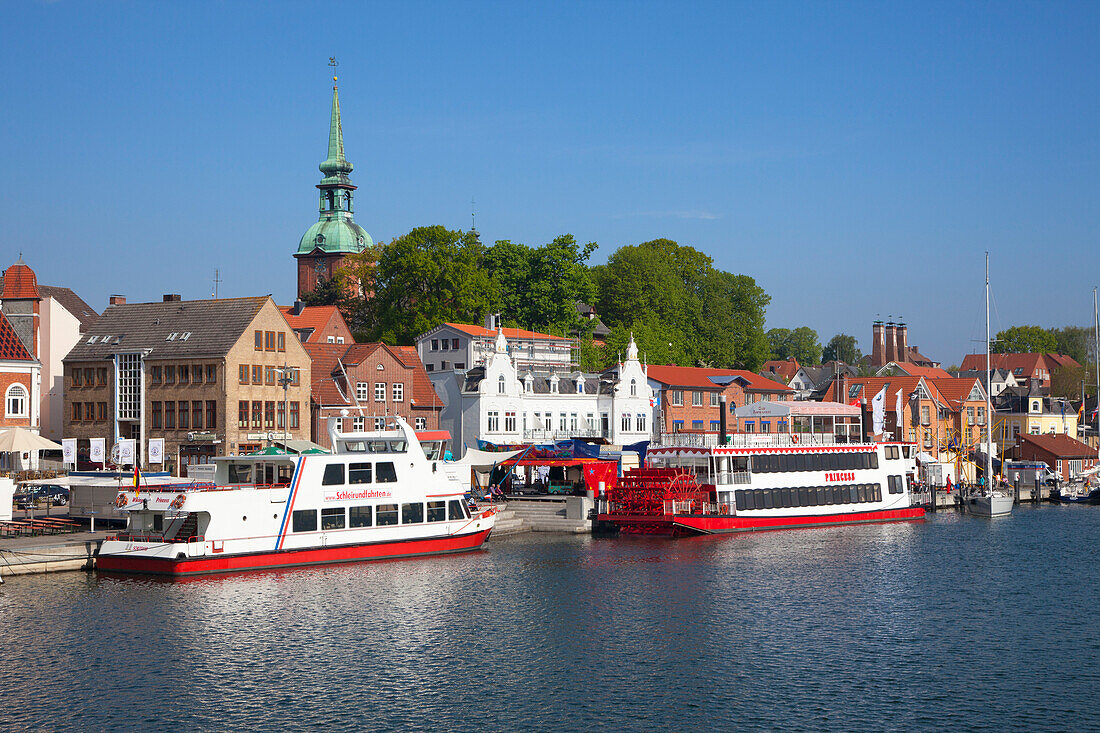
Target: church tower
{"points": [[326, 244]]}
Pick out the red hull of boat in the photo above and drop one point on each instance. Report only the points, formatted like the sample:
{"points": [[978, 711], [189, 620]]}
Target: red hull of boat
{"points": [[696, 524], [291, 558]]}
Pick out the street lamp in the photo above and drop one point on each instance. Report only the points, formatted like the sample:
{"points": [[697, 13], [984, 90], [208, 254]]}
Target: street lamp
{"points": [[285, 380]]}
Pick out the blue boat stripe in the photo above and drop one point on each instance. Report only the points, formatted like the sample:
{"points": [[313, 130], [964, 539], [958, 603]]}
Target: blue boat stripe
{"points": [[289, 501]]}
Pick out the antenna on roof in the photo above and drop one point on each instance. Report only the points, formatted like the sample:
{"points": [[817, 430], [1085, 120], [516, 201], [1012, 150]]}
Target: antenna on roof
{"points": [[217, 280], [473, 215]]}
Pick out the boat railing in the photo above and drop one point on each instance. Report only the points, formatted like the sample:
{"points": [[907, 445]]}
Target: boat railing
{"points": [[730, 478], [697, 507]]}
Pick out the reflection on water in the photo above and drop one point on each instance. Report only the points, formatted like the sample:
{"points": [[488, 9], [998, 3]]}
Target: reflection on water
{"points": [[955, 623]]}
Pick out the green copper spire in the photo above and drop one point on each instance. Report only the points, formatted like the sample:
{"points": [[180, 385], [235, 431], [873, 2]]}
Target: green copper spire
{"points": [[335, 230], [336, 167]]}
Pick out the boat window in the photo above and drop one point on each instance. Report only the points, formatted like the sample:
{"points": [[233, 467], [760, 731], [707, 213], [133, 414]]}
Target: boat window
{"points": [[769, 502], [757, 499], [240, 473], [739, 497], [895, 485], [412, 513], [355, 446], [891, 452], [877, 489], [386, 514], [385, 473], [398, 446], [874, 459], [304, 520], [803, 496], [286, 472], [853, 494], [332, 517], [820, 500], [334, 475], [861, 493], [359, 516], [454, 509], [359, 473], [784, 463], [378, 446], [158, 522], [437, 511]]}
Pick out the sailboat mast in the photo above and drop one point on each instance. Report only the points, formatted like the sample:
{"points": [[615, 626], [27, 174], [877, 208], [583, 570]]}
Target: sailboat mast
{"points": [[988, 383], [1096, 359]]}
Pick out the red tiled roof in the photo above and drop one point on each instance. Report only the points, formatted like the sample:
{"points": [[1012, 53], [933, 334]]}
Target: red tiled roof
{"points": [[923, 371], [325, 358], [11, 348], [678, 376], [312, 316], [872, 386], [509, 333], [1062, 360], [20, 282], [955, 390], [785, 368], [1060, 445], [1026, 362], [326, 362]]}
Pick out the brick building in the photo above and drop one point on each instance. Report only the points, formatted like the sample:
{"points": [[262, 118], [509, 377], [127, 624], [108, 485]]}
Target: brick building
{"points": [[690, 398], [1024, 367], [369, 381], [20, 382], [1067, 456], [204, 375], [317, 324]]}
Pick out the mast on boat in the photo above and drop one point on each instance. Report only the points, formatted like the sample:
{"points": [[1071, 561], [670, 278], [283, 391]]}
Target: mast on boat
{"points": [[1096, 359], [988, 385]]}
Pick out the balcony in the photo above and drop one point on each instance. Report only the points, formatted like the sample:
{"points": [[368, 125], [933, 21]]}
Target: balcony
{"points": [[752, 440], [550, 436]]}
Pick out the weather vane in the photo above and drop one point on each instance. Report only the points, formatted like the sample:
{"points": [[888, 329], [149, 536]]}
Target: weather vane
{"points": [[333, 63]]}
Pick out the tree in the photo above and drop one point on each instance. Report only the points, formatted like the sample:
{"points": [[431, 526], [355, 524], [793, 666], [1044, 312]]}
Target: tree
{"points": [[431, 275], [327, 292], [1075, 342], [1066, 381], [1025, 340], [801, 343], [842, 347], [540, 287], [680, 308]]}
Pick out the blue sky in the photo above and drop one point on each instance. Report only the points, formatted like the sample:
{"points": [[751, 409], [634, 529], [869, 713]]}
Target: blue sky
{"points": [[857, 159]]}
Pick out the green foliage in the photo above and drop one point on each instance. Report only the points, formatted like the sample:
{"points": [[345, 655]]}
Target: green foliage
{"points": [[327, 292], [842, 347], [801, 343], [429, 276], [680, 308], [1025, 340], [1075, 342], [539, 287]]}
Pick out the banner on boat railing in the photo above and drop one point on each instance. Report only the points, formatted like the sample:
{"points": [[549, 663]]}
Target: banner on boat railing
{"points": [[98, 450], [126, 451], [68, 451], [156, 450]]}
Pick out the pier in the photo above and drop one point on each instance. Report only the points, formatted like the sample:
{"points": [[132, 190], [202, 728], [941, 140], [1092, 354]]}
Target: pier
{"points": [[49, 554]]}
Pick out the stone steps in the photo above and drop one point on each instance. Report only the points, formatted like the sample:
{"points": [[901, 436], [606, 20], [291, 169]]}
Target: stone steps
{"points": [[542, 516]]}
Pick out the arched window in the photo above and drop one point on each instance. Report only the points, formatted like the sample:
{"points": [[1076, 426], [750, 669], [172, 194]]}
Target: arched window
{"points": [[500, 384], [633, 387], [15, 402], [330, 196]]}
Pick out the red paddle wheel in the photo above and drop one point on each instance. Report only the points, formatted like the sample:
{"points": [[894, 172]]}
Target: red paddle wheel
{"points": [[657, 493]]}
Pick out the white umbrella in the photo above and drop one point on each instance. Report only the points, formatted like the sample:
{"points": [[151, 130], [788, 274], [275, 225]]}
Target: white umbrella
{"points": [[20, 440]]}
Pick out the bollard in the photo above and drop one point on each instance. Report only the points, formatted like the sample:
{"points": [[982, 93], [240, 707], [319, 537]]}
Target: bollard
{"points": [[1038, 495], [1016, 488]]}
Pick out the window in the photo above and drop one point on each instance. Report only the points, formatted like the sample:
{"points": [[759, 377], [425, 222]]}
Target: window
{"points": [[242, 414], [182, 414], [154, 376], [211, 414], [211, 373], [170, 374], [331, 339], [15, 403], [281, 341], [76, 378], [493, 422], [696, 399], [242, 374], [437, 511], [421, 423], [257, 374], [385, 473], [359, 473], [269, 375], [714, 399], [334, 475], [639, 423], [359, 424], [269, 340], [362, 391], [257, 414], [269, 414], [304, 520], [359, 516], [625, 424], [170, 415], [398, 392], [562, 424], [677, 397], [500, 384], [892, 453], [924, 415], [379, 423], [435, 344], [78, 411], [89, 411], [698, 425], [259, 340], [154, 415], [509, 423], [580, 386], [455, 511], [196, 415], [633, 387], [89, 376], [895, 484], [101, 377], [387, 514], [332, 517], [412, 513], [446, 345], [379, 391], [573, 421]]}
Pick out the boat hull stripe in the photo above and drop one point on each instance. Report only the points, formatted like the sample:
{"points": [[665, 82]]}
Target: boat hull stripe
{"points": [[295, 480]]}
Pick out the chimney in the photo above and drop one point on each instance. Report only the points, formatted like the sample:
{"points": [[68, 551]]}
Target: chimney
{"points": [[903, 343], [842, 388], [117, 300], [723, 437], [878, 350], [172, 298], [299, 305], [891, 343]]}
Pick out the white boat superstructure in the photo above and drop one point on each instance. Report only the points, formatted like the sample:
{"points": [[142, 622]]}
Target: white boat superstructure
{"points": [[378, 494]]}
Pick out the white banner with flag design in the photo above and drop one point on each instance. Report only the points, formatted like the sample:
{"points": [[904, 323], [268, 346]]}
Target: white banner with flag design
{"points": [[156, 450], [897, 413], [68, 451], [878, 411], [126, 452], [98, 450]]}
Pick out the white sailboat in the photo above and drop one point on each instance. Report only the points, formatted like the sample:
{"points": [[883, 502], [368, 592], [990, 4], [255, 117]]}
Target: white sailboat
{"points": [[987, 500]]}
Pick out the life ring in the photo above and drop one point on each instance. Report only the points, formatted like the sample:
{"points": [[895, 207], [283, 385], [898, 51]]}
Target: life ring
{"points": [[121, 500], [794, 438], [178, 501]]}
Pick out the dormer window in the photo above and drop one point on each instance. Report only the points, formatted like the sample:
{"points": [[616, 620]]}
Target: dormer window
{"points": [[320, 239], [528, 384], [554, 384], [580, 386]]}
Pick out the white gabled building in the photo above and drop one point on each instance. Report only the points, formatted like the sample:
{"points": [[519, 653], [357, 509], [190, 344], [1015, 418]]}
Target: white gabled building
{"points": [[502, 403], [462, 346]]}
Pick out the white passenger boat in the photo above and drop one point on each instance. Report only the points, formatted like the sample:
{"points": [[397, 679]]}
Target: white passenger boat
{"points": [[378, 495]]}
